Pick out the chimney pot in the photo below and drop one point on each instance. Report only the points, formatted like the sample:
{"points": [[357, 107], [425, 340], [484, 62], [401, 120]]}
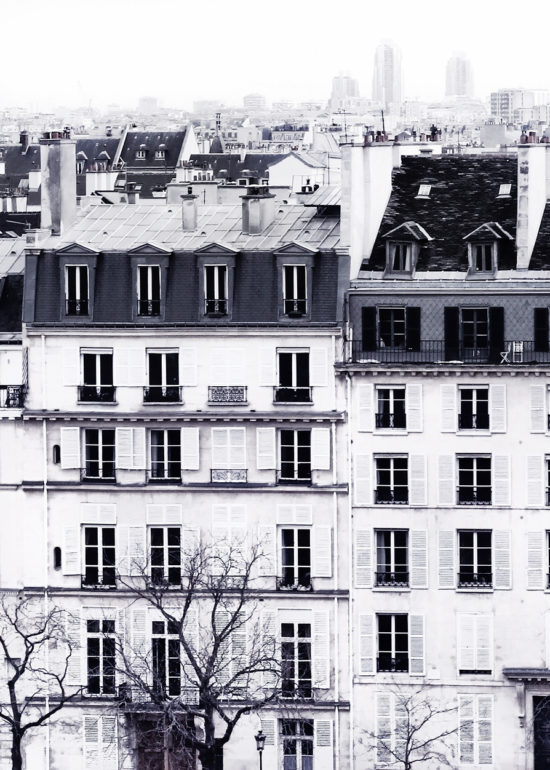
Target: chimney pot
{"points": [[258, 209], [189, 210]]}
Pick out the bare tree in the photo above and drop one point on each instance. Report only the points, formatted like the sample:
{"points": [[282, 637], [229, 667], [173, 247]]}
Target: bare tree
{"points": [[37, 651], [197, 656]]}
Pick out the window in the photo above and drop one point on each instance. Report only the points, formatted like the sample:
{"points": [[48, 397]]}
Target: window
{"points": [[475, 560], [391, 408], [297, 740], [166, 657], [295, 558], [99, 557], [99, 454], [475, 734], [215, 289], [148, 290], [100, 655], [160, 154], [294, 290], [400, 257], [474, 481], [475, 328], [392, 480], [293, 369], [504, 191], [547, 465], [165, 555], [165, 454], [97, 375], [141, 154], [296, 681], [392, 567], [295, 446], [474, 409], [163, 369], [391, 327], [424, 191], [229, 454], [482, 257], [475, 643], [76, 290], [80, 166], [393, 643]]}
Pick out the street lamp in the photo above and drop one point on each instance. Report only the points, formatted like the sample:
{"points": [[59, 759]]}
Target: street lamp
{"points": [[260, 743]]}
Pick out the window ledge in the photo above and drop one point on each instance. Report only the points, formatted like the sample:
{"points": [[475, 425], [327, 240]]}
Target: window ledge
{"points": [[397, 589], [474, 590], [97, 403], [391, 431]]}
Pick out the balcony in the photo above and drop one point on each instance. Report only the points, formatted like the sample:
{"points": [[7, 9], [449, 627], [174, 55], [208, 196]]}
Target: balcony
{"points": [[228, 475], [473, 421], [291, 582], [391, 420], [389, 496], [475, 579], [295, 308], [95, 474], [148, 307], [473, 495], [398, 664], [97, 394], [437, 352], [162, 394], [227, 394], [12, 396], [215, 308], [92, 580], [387, 579], [76, 307], [286, 395]]}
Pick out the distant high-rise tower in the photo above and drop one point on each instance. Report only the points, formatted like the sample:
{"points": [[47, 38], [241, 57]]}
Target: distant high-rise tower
{"points": [[459, 80], [386, 83], [344, 89]]}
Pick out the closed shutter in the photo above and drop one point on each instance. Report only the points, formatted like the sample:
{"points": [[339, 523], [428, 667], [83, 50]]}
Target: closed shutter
{"points": [[448, 408], [320, 449], [413, 328], [475, 642], [92, 747], [130, 448], [139, 646], [497, 408], [70, 447], [109, 743], [535, 481], [266, 455], [413, 400], [466, 642], [318, 367], [190, 459], [365, 407], [71, 366], [446, 480], [503, 559], [163, 514], [269, 646], [323, 751], [188, 366], [416, 644], [384, 731], [363, 558], [97, 513], [538, 408], [541, 329], [451, 320], [366, 644], [446, 552], [321, 650], [73, 630], [269, 729], [537, 550], [485, 729], [368, 328], [496, 333], [70, 557], [322, 551], [547, 639], [419, 558], [267, 373], [501, 480], [134, 561], [417, 480], [129, 367], [362, 478], [484, 642], [294, 514], [267, 564], [466, 729]]}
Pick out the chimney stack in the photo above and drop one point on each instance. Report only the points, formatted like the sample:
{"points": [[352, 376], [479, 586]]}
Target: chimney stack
{"points": [[258, 209], [24, 142], [58, 190], [189, 211]]}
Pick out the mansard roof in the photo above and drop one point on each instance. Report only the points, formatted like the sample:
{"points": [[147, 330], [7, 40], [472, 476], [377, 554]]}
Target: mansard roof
{"points": [[151, 141], [408, 230]]}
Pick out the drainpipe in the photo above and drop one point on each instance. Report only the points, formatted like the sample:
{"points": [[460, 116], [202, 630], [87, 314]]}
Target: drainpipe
{"points": [[350, 579]]}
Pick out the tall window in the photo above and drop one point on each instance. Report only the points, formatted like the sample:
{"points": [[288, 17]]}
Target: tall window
{"points": [[475, 328], [97, 375], [392, 480], [482, 254], [165, 454], [474, 409], [296, 679], [392, 566], [76, 290], [474, 481], [99, 453], [229, 455], [295, 455], [391, 408], [297, 739], [149, 290], [166, 657], [475, 562], [163, 369], [293, 377], [101, 649], [294, 290], [165, 555], [99, 556], [215, 289], [393, 643], [400, 256], [295, 558], [391, 327]]}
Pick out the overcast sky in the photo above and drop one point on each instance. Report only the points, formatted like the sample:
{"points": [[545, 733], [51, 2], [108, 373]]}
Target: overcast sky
{"points": [[77, 52]]}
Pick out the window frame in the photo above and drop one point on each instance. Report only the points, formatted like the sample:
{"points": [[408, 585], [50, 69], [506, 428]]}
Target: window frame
{"points": [[295, 461], [395, 666], [390, 418], [105, 670], [163, 391], [302, 735], [221, 303], [295, 682], [166, 636], [475, 401], [393, 334], [150, 299], [97, 390], [301, 572], [475, 499], [293, 392], [171, 572], [103, 463], [480, 578], [166, 447], [476, 348], [395, 577], [78, 267], [100, 547], [392, 486]]}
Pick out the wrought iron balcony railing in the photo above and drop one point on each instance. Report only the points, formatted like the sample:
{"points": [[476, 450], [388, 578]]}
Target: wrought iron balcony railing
{"points": [[76, 307], [399, 663], [162, 394], [227, 394], [473, 495], [96, 393], [475, 579], [301, 475], [473, 421], [389, 496], [398, 579], [215, 307], [92, 580], [105, 474], [295, 307], [439, 352], [294, 583], [12, 396], [148, 307], [391, 420], [287, 395], [228, 475]]}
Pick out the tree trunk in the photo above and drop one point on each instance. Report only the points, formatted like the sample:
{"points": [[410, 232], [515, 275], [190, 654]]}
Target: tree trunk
{"points": [[211, 758], [16, 756]]}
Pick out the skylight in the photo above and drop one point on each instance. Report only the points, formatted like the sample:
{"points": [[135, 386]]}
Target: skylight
{"points": [[424, 191], [504, 191]]}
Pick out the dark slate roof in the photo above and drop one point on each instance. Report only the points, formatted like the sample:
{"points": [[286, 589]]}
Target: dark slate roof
{"points": [[151, 141], [93, 148], [146, 181], [256, 163], [463, 196], [19, 221], [540, 258], [11, 301], [18, 164]]}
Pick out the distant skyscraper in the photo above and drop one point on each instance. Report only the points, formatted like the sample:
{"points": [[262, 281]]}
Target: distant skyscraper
{"points": [[344, 89], [459, 80], [386, 83]]}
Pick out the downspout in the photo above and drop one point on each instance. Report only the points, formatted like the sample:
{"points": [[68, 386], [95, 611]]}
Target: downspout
{"points": [[45, 529], [351, 656]]}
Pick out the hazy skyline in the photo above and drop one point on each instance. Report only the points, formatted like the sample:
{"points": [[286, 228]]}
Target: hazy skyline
{"points": [[76, 53]]}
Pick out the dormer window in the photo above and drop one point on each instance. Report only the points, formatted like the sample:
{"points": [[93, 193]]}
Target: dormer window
{"points": [[141, 154], [484, 244], [482, 256], [160, 154], [148, 290], [80, 164], [505, 191], [403, 245], [76, 290], [400, 257], [424, 191]]}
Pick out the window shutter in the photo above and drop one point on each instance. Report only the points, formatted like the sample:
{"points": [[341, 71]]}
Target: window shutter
{"points": [[366, 644], [485, 729], [368, 328], [109, 743], [269, 645], [497, 407], [130, 448], [419, 558], [451, 320], [266, 455], [503, 565], [417, 480], [413, 328], [268, 375], [466, 642], [365, 407], [294, 514], [97, 513], [323, 751], [501, 480], [73, 630], [318, 367], [413, 406], [466, 729], [135, 550], [138, 458], [190, 460], [129, 367], [449, 419], [70, 558], [541, 329], [219, 440], [71, 366], [322, 551], [535, 476], [446, 559], [320, 449], [484, 642], [536, 547], [547, 639], [363, 558], [416, 644], [188, 366], [267, 565], [496, 332], [384, 733], [446, 480], [139, 646], [363, 481], [70, 447], [539, 411], [191, 541], [269, 729], [163, 514], [321, 651], [91, 731]]}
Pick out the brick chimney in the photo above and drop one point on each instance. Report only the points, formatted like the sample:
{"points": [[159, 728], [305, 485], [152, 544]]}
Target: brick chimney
{"points": [[189, 211], [258, 209], [58, 189]]}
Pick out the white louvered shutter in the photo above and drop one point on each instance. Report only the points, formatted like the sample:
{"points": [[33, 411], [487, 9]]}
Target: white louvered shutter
{"points": [[416, 644], [365, 406], [446, 480], [547, 639], [536, 548], [269, 645], [497, 408], [484, 642], [91, 730], [135, 550], [503, 559], [446, 560], [413, 405], [535, 481], [73, 629], [109, 743], [266, 453], [190, 458], [466, 643], [269, 729], [322, 551], [130, 448], [268, 375], [363, 558], [320, 449], [98, 513], [449, 419], [538, 408], [162, 514], [485, 729], [384, 712], [417, 480], [294, 514], [366, 643], [70, 447], [129, 367], [466, 741], [321, 650], [188, 366], [267, 535], [70, 556], [419, 558], [362, 479], [501, 480], [318, 367], [71, 366], [140, 647], [323, 750]]}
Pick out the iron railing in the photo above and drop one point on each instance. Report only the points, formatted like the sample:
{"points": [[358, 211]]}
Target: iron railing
{"points": [[473, 495], [439, 352], [148, 307], [227, 394], [103, 583], [96, 393], [392, 579], [287, 583], [162, 394], [288, 395], [391, 420], [215, 307], [12, 396], [475, 579], [389, 496], [473, 421], [76, 307], [399, 663], [228, 475]]}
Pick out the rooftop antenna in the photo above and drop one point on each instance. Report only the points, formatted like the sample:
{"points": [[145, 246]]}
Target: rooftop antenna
{"points": [[383, 124]]}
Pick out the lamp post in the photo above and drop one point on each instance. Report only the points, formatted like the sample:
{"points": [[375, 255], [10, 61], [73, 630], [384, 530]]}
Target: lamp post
{"points": [[260, 743]]}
